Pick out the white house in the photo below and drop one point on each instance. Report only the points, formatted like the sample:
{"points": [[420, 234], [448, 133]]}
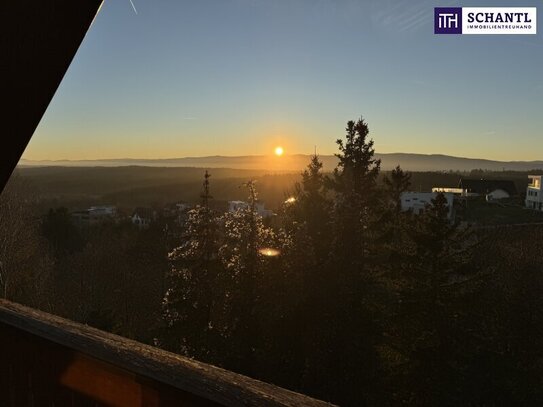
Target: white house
{"points": [[262, 211], [234, 206], [105, 210], [534, 193], [456, 191], [496, 195], [95, 215], [142, 217], [182, 206], [99, 214], [418, 201], [140, 221]]}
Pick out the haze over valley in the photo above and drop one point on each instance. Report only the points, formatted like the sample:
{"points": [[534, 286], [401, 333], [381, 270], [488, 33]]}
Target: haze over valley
{"points": [[297, 162]]}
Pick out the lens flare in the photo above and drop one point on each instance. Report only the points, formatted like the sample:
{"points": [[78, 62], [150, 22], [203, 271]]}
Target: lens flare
{"points": [[269, 252]]}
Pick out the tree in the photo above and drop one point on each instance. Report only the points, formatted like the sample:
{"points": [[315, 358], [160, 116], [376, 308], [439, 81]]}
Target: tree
{"points": [[189, 302], [348, 322], [395, 184], [311, 210], [394, 236], [306, 253], [244, 259], [354, 182], [432, 277], [62, 235], [25, 267]]}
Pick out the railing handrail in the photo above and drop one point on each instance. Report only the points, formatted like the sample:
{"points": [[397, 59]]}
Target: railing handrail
{"points": [[204, 380]]}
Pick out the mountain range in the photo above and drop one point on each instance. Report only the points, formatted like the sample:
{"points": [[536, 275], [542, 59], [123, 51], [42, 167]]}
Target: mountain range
{"points": [[297, 162]]}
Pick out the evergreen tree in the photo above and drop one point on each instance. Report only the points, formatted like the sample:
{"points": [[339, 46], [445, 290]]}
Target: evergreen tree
{"points": [[395, 238], [350, 322], [63, 236], [433, 277], [306, 261], [308, 212], [245, 238], [355, 184], [398, 182], [189, 302]]}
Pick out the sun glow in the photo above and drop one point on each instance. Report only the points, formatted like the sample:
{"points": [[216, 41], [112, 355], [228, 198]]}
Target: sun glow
{"points": [[279, 151]]}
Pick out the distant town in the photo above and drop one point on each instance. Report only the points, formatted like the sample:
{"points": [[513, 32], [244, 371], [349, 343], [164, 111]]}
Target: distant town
{"points": [[143, 217], [499, 193]]}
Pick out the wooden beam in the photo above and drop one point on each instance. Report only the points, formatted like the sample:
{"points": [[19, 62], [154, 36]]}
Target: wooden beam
{"points": [[38, 40]]}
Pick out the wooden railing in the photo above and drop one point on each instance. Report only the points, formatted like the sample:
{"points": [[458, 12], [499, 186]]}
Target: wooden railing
{"points": [[51, 361]]}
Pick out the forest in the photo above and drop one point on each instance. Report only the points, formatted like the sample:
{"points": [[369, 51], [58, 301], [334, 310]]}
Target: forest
{"points": [[344, 296]]}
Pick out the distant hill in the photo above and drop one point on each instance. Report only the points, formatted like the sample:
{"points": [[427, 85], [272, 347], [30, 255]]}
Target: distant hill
{"points": [[133, 186], [296, 162]]}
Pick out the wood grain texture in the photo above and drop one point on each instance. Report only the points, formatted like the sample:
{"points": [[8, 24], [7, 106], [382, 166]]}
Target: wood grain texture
{"points": [[108, 369]]}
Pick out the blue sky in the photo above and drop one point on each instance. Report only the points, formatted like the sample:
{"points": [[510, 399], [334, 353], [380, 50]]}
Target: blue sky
{"points": [[237, 77]]}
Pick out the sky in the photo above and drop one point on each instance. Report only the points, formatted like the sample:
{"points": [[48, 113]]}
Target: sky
{"points": [[239, 77]]}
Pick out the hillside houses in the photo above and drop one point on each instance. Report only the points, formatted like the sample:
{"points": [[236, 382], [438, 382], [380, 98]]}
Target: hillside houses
{"points": [[491, 189], [174, 214], [470, 190]]}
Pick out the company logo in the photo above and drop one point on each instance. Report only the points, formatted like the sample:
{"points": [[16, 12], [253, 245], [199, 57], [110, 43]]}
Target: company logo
{"points": [[485, 20], [448, 20]]}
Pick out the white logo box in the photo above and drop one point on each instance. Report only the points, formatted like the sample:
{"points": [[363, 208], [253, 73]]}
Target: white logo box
{"points": [[497, 20]]}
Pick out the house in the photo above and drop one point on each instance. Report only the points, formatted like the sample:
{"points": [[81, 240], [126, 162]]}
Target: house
{"points": [[94, 215], [497, 194], [461, 192], [182, 206], [234, 206], [455, 191], [534, 193], [103, 211], [101, 214], [260, 209], [418, 201], [142, 217], [177, 210], [81, 218], [493, 188]]}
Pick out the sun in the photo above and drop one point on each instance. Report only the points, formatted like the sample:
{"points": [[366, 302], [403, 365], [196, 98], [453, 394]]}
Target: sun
{"points": [[279, 151]]}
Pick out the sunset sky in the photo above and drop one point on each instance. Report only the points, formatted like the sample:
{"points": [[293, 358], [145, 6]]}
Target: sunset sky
{"points": [[240, 77]]}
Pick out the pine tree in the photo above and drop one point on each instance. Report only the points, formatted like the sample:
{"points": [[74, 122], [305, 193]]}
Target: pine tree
{"points": [[308, 212], [398, 182], [394, 237], [189, 302], [350, 315], [245, 238], [307, 216], [355, 184], [433, 276]]}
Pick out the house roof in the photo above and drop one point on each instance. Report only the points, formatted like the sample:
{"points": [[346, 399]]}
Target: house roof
{"points": [[144, 213], [485, 186]]}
